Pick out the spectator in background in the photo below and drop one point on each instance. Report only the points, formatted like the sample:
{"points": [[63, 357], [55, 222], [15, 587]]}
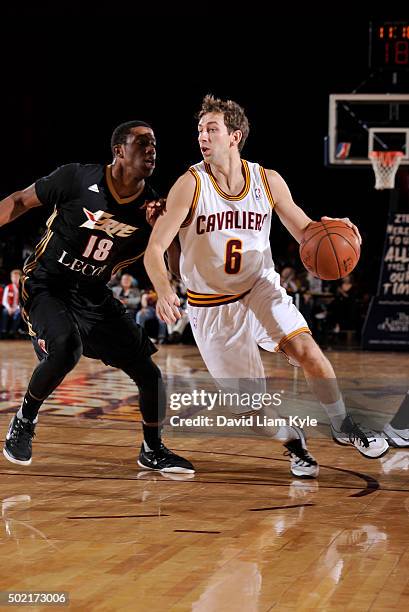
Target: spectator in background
{"points": [[313, 283], [345, 310], [128, 293], [314, 306], [289, 280], [11, 316], [147, 313]]}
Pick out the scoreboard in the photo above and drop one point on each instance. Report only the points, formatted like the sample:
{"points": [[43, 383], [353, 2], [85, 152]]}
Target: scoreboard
{"points": [[389, 45]]}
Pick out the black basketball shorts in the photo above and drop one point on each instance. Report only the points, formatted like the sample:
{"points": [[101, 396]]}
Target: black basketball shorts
{"points": [[107, 331]]}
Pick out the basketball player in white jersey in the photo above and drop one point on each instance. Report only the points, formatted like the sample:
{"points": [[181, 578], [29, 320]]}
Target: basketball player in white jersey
{"points": [[222, 209]]}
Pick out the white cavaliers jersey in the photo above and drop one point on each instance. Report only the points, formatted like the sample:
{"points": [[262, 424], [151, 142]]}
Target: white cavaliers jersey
{"points": [[225, 239]]}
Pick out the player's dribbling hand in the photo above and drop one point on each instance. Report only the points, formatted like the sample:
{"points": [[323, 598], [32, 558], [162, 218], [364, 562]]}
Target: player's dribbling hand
{"points": [[348, 222], [154, 209], [167, 308]]}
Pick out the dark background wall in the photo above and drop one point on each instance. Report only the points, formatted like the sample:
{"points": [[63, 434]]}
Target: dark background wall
{"points": [[70, 74]]}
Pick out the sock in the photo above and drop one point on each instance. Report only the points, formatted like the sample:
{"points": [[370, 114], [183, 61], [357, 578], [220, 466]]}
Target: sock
{"points": [[401, 418], [152, 436], [29, 408], [336, 413], [286, 434], [23, 418]]}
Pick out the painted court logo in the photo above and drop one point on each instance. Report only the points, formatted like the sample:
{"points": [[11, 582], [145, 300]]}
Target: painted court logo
{"points": [[105, 222]]}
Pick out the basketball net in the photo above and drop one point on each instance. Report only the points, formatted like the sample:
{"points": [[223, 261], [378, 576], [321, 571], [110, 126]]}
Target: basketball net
{"points": [[385, 165]]}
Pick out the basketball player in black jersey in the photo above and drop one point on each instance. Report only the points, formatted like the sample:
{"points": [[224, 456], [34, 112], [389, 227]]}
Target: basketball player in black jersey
{"points": [[98, 226]]}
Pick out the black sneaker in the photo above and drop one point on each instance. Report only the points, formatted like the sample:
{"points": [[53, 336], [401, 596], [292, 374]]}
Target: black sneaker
{"points": [[17, 446], [302, 463], [163, 460], [369, 443]]}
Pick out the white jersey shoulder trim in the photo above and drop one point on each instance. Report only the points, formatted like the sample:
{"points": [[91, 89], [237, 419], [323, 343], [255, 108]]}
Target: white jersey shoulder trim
{"points": [[266, 186]]}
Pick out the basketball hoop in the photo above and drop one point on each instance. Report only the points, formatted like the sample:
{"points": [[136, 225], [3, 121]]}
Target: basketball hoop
{"points": [[385, 165]]}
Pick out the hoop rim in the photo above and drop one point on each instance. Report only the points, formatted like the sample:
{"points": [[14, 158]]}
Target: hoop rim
{"points": [[387, 157]]}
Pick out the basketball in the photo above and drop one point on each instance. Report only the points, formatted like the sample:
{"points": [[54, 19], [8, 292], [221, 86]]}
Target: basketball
{"points": [[329, 249]]}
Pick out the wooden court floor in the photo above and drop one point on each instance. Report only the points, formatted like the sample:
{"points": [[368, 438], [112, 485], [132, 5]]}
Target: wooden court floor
{"points": [[240, 535]]}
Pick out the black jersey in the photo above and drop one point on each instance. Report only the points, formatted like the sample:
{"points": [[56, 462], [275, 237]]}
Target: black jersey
{"points": [[92, 232]]}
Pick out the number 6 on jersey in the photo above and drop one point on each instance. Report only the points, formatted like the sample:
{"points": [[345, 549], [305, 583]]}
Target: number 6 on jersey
{"points": [[232, 257]]}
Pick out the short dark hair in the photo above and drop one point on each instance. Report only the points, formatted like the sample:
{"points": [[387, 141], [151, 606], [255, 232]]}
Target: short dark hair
{"points": [[233, 115], [120, 133]]}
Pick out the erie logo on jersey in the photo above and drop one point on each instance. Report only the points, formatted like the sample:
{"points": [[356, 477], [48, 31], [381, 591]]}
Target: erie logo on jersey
{"points": [[105, 222]]}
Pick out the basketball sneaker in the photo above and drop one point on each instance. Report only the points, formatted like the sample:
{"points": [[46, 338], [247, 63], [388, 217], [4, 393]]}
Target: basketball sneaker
{"points": [[396, 437], [369, 443], [17, 446], [302, 464], [163, 460]]}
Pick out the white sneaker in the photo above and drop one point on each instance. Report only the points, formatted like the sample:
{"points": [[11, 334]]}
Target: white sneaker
{"points": [[396, 437], [369, 443], [302, 464]]}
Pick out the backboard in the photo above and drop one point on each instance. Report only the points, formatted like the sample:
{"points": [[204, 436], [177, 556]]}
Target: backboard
{"points": [[361, 123]]}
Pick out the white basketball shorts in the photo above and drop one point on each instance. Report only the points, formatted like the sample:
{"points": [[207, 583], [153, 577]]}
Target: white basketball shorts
{"points": [[228, 336]]}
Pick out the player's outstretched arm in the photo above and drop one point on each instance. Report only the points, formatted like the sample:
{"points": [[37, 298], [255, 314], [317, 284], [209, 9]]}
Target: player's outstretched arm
{"points": [[165, 229], [17, 204], [290, 215]]}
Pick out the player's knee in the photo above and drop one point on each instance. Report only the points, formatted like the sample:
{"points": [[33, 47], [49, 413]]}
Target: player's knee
{"points": [[304, 349], [144, 373], [313, 360], [149, 371], [66, 349]]}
